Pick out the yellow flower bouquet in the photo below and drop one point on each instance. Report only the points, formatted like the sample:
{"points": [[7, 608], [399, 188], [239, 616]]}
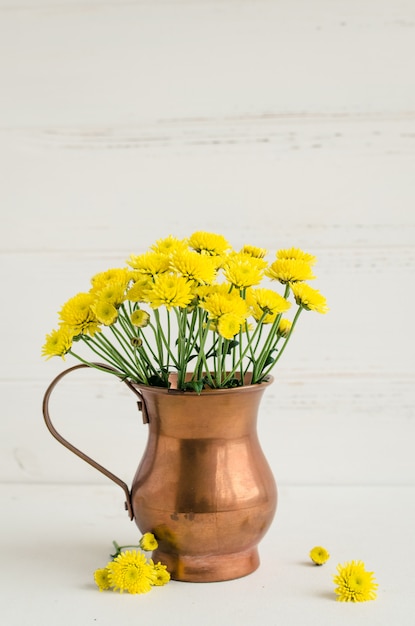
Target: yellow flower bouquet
{"points": [[195, 308]]}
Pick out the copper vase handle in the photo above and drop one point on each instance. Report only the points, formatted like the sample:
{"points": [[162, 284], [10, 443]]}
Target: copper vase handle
{"points": [[72, 448]]}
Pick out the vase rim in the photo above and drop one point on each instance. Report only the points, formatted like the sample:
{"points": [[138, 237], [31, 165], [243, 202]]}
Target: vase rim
{"points": [[246, 388]]}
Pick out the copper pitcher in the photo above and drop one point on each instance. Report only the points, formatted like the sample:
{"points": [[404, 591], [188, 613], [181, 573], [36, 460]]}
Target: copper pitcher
{"points": [[203, 486]]}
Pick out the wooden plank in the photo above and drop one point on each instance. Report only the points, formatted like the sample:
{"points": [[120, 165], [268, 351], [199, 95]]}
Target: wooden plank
{"points": [[277, 124]]}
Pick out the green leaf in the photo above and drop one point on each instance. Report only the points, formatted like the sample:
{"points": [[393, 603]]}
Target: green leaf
{"points": [[231, 345], [269, 360], [233, 382], [226, 348], [194, 385], [157, 381]]}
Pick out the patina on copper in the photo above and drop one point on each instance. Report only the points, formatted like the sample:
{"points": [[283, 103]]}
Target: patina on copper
{"points": [[203, 487]]}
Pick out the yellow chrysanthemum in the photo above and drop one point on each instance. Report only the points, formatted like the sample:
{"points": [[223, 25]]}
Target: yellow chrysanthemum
{"points": [[202, 292], [208, 243], [150, 263], [113, 291], [138, 291], [148, 542], [170, 291], [295, 254], [219, 303], [162, 576], [256, 261], [354, 583], [130, 571], [210, 282], [228, 325], [58, 343], [105, 312], [284, 327], [266, 301], [319, 555], [140, 318], [243, 271], [257, 253], [193, 266], [101, 579], [290, 271], [77, 314], [119, 275], [309, 298], [169, 245]]}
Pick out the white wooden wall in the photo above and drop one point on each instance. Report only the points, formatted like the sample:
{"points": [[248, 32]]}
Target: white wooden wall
{"points": [[273, 122]]}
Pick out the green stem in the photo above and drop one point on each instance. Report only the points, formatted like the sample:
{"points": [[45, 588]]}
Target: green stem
{"points": [[118, 549], [201, 357], [101, 351], [122, 341], [248, 348], [181, 347], [162, 341], [266, 348], [280, 353], [269, 344], [218, 362], [124, 357], [192, 337], [148, 347], [97, 367], [223, 358], [167, 364]]}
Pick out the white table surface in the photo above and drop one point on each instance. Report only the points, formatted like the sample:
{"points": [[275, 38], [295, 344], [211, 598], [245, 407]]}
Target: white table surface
{"points": [[54, 537]]}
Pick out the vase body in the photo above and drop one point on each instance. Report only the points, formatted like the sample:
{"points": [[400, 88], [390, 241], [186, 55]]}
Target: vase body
{"points": [[204, 487]]}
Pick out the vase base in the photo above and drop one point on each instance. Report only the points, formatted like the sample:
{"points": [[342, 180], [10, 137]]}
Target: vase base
{"points": [[210, 568]]}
